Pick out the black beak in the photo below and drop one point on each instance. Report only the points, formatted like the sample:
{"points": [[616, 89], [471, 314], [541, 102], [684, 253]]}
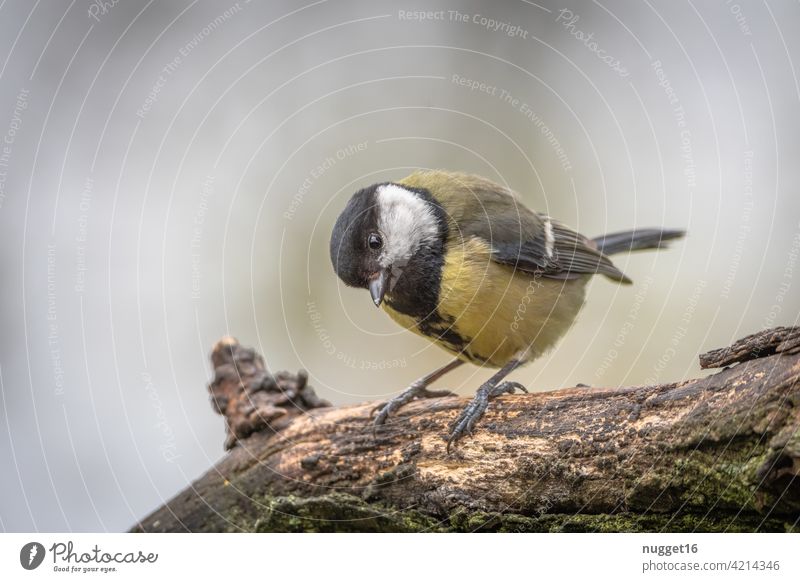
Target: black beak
{"points": [[377, 287]]}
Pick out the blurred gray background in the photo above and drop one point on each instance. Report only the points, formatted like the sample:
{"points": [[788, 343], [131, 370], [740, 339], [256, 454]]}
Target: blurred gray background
{"points": [[170, 172]]}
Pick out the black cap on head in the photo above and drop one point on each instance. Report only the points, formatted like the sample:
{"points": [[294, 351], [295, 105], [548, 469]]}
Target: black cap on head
{"points": [[350, 255]]}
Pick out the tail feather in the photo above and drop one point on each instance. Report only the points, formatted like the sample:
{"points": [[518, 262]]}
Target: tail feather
{"points": [[636, 240]]}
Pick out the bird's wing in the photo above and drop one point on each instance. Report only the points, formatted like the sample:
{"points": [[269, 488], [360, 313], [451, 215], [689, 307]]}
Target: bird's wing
{"points": [[519, 237], [555, 251]]}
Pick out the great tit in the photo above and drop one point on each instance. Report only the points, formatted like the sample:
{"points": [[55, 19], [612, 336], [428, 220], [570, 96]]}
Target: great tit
{"points": [[461, 261]]}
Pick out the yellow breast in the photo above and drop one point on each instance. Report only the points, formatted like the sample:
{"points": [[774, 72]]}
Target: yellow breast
{"points": [[501, 313]]}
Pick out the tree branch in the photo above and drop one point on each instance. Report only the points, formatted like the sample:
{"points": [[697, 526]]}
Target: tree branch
{"points": [[720, 453]]}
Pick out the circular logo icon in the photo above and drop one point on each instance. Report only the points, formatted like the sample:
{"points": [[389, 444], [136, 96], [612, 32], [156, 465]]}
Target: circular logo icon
{"points": [[31, 555]]}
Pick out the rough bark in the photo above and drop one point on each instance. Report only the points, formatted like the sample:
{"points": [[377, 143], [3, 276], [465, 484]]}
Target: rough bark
{"points": [[720, 453]]}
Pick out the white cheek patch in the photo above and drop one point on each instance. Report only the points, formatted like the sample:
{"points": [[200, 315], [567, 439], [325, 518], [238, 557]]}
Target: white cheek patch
{"points": [[406, 221]]}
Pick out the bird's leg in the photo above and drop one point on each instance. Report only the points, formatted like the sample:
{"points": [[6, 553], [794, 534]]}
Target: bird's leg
{"points": [[418, 389], [474, 411]]}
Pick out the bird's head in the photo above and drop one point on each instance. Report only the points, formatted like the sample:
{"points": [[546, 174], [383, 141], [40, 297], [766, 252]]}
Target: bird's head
{"points": [[380, 231]]}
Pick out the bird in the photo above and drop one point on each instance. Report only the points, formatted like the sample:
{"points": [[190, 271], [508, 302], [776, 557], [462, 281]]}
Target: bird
{"points": [[461, 261]]}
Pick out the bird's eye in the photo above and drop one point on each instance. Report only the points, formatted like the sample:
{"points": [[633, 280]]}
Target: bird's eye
{"points": [[374, 241]]}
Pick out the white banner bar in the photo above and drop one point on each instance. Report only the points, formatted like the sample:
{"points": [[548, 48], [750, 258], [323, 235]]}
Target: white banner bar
{"points": [[380, 557]]}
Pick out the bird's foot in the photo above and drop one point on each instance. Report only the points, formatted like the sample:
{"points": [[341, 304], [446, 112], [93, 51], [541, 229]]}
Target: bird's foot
{"points": [[416, 390], [474, 411]]}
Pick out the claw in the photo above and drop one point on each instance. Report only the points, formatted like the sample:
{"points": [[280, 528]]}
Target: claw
{"points": [[379, 408], [473, 412], [382, 416], [508, 388], [425, 393], [416, 390]]}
